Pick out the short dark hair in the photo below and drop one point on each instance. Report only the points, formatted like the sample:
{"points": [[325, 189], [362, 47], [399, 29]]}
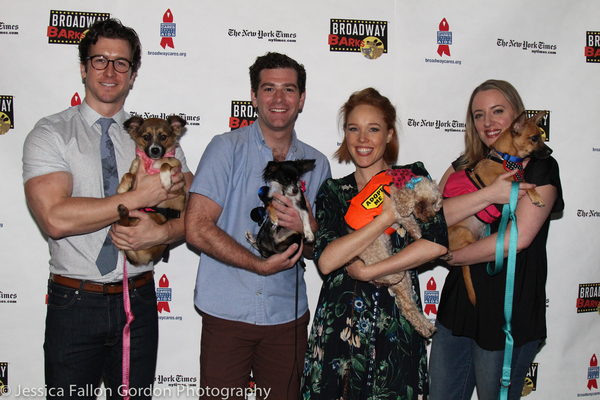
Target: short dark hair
{"points": [[111, 29], [371, 97], [273, 60]]}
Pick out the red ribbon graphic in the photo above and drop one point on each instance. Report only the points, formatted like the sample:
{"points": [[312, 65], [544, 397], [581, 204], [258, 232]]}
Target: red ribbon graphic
{"points": [[592, 382], [75, 100], [431, 308], [163, 305], [167, 41], [444, 48]]}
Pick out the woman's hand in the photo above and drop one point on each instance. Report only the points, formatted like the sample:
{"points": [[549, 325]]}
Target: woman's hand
{"points": [[499, 191]]}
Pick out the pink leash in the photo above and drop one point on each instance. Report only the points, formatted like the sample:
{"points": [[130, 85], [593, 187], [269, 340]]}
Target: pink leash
{"points": [[126, 332]]}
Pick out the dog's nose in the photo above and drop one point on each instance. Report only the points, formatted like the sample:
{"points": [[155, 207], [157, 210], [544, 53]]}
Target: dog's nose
{"points": [[155, 151]]}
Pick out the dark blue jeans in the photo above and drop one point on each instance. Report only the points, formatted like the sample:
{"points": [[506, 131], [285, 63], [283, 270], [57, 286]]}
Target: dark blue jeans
{"points": [[457, 365], [84, 339]]}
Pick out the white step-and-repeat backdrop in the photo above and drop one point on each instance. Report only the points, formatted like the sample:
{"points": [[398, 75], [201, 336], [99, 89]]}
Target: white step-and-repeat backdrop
{"points": [[426, 56]]}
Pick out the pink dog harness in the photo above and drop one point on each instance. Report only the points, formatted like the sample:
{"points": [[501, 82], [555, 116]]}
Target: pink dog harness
{"points": [[149, 163]]}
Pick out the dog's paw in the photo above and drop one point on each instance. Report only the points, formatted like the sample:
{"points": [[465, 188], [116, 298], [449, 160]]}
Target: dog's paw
{"points": [[447, 257], [309, 237], [250, 238], [165, 180]]}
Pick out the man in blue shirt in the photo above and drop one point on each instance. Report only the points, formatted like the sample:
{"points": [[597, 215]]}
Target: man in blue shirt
{"points": [[252, 318]]}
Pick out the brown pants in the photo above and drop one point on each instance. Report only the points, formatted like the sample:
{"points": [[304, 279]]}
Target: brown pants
{"points": [[229, 350]]}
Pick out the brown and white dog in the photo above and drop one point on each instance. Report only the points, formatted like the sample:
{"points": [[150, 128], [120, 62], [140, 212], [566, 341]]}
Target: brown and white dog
{"points": [[419, 200], [523, 139], [155, 140]]}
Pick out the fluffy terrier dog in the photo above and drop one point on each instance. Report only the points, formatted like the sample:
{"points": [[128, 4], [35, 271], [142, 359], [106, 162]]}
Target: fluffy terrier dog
{"points": [[420, 198]]}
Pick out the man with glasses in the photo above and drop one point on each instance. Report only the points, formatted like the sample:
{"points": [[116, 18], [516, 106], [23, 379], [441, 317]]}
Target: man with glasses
{"points": [[71, 163]]}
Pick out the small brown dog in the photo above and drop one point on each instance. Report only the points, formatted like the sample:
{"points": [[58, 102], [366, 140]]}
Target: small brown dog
{"points": [[155, 140], [421, 200], [522, 140]]}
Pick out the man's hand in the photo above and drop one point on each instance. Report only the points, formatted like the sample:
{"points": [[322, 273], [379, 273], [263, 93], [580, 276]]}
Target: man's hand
{"points": [[146, 234], [281, 262], [149, 189]]}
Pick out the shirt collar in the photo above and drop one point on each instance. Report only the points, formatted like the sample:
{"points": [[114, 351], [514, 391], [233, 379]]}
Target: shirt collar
{"points": [[91, 116], [262, 143]]}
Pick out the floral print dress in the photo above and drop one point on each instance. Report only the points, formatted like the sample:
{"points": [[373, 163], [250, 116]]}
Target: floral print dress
{"points": [[359, 345]]}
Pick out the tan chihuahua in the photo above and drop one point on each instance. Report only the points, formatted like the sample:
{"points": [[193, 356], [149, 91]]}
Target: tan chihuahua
{"points": [[522, 140]]}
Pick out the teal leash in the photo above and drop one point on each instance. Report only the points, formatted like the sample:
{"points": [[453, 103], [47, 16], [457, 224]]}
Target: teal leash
{"points": [[508, 213]]}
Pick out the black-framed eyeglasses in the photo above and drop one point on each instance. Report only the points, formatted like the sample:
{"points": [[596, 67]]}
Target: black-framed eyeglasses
{"points": [[100, 62]]}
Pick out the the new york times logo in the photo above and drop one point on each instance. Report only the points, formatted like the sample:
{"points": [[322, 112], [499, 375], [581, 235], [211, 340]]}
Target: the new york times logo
{"points": [[242, 114], [8, 29], [6, 114], [66, 27], [350, 35]]}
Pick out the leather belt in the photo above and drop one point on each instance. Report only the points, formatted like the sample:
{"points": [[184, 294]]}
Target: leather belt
{"points": [[104, 288]]}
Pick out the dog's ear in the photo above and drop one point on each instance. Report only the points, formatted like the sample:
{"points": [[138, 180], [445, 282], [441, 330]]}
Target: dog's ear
{"points": [[519, 124], [403, 200], [429, 201], [305, 165], [538, 117], [177, 123], [270, 169], [133, 124]]}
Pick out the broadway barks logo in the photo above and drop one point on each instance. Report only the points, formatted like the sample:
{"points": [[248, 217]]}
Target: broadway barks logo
{"points": [[350, 35], [6, 114], [242, 114], [3, 378], [544, 123], [66, 27], [589, 297], [530, 380], [167, 30], [592, 48]]}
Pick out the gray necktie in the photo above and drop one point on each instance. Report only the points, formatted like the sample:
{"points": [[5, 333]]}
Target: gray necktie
{"points": [[107, 259]]}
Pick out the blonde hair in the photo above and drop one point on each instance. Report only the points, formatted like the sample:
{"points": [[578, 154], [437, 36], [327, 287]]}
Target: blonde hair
{"points": [[475, 149]]}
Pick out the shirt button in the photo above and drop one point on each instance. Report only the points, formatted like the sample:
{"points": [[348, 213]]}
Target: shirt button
{"points": [[258, 293]]}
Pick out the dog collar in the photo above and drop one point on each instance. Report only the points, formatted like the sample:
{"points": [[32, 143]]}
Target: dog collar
{"points": [[168, 213], [508, 157], [149, 162], [509, 163]]}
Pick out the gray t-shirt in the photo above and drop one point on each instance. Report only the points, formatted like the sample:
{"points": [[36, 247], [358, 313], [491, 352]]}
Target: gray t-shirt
{"points": [[70, 141]]}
